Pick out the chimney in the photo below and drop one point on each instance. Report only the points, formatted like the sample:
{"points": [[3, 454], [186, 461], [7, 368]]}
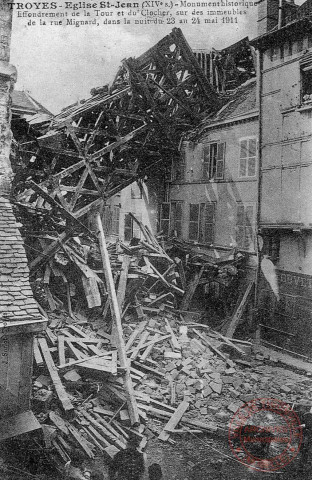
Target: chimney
{"points": [[267, 15]]}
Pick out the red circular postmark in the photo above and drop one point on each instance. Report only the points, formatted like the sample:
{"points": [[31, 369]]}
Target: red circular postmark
{"points": [[265, 434]]}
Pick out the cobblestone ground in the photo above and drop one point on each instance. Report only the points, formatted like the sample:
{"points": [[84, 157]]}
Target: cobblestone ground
{"points": [[192, 457]]}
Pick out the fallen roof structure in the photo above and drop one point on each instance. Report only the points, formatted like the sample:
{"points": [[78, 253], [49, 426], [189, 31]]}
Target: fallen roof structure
{"points": [[93, 150]]}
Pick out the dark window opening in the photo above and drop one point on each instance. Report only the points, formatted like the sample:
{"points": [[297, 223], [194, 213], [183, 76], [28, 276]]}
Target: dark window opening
{"points": [[306, 84], [131, 228], [271, 246]]}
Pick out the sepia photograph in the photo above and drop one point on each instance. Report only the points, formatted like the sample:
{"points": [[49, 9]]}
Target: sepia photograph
{"points": [[156, 240]]}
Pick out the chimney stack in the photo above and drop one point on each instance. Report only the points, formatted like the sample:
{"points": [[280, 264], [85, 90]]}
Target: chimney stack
{"points": [[267, 15]]}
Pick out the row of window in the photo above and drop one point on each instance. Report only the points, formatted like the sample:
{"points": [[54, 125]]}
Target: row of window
{"points": [[201, 222], [214, 161], [289, 48]]}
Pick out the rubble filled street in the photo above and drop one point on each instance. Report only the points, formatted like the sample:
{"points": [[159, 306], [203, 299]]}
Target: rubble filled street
{"points": [[155, 265]]}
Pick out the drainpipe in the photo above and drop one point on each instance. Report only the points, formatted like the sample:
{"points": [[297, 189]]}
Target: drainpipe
{"points": [[280, 14], [259, 177]]}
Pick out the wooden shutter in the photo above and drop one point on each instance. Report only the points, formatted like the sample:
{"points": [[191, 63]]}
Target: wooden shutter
{"points": [[206, 161], [209, 223], [220, 161], [243, 158], [194, 221]]}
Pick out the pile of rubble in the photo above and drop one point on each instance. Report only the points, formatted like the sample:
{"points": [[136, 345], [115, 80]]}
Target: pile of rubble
{"points": [[188, 376], [148, 279]]}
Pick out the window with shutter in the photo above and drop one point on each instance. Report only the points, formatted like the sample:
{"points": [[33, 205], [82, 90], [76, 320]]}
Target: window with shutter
{"points": [[220, 161], [213, 161], [209, 223], [201, 225], [247, 157], [206, 163], [194, 222]]}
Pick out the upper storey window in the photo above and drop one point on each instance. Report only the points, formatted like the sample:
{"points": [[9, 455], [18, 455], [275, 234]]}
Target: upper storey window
{"points": [[247, 157]]}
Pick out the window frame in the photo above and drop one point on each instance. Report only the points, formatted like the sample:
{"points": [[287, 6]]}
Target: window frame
{"points": [[305, 72], [248, 158], [200, 224], [210, 169]]}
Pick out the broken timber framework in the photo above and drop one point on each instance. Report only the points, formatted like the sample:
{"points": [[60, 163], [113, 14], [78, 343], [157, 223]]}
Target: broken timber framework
{"points": [[93, 150]]}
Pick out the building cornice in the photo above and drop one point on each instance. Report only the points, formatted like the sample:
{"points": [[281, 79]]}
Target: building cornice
{"points": [[293, 30]]}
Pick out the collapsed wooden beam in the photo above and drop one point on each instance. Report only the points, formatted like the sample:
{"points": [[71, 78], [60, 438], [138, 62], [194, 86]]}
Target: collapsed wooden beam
{"points": [[131, 401]]}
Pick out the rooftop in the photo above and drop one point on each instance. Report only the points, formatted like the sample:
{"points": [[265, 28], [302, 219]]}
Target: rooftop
{"points": [[16, 297], [241, 103], [24, 103]]}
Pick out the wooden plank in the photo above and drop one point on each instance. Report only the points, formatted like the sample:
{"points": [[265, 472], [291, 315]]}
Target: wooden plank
{"points": [[174, 341], [149, 369], [104, 431], [152, 342], [174, 420], [121, 291], [190, 290], [131, 402], [213, 348], [148, 349], [57, 205], [61, 348], [81, 360], [59, 388], [142, 340], [92, 437], [114, 362], [92, 292], [113, 427], [179, 264], [58, 422], [77, 353], [80, 440], [155, 412], [37, 354], [239, 311]]}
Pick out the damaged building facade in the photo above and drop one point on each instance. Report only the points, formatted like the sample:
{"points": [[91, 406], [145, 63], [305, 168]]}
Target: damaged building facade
{"points": [[285, 214]]}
